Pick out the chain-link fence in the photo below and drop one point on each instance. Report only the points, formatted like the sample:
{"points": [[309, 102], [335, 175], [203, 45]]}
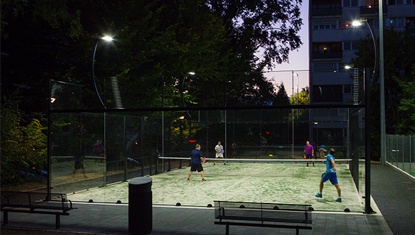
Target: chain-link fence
{"points": [[400, 152]]}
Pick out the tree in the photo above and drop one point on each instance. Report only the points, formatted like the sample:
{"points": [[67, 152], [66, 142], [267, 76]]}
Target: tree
{"points": [[300, 98], [407, 107], [154, 39], [23, 146], [272, 25], [399, 48]]}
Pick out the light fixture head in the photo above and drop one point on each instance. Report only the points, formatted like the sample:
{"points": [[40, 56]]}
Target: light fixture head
{"points": [[356, 23], [107, 38]]}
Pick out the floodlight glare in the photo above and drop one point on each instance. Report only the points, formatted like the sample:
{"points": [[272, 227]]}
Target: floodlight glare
{"points": [[191, 73], [347, 67], [107, 38], [356, 23]]}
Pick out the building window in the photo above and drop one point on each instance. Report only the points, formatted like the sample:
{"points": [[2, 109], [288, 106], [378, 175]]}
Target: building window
{"points": [[396, 22], [326, 47], [370, 3], [325, 67], [347, 89], [350, 45], [328, 93], [345, 24], [324, 25], [350, 3], [327, 4], [410, 22]]}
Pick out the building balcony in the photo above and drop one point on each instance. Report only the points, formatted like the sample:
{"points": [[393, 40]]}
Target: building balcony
{"points": [[327, 55], [372, 10], [327, 12]]}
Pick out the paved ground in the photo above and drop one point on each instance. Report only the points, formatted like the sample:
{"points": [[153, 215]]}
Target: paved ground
{"points": [[392, 191], [113, 219]]}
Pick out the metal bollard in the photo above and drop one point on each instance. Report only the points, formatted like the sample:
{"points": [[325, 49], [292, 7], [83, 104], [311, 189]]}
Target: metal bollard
{"points": [[140, 206]]}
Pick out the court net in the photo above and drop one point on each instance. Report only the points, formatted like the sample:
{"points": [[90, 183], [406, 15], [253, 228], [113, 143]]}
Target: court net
{"points": [[263, 168]]}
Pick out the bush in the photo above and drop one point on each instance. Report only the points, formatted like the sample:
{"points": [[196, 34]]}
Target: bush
{"points": [[23, 146]]}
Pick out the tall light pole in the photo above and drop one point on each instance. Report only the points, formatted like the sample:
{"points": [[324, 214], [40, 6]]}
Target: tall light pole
{"points": [[368, 208], [382, 89], [107, 39]]}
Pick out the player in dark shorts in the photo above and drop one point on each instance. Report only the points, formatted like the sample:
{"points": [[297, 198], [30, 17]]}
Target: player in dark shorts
{"points": [[308, 151], [196, 163], [79, 162]]}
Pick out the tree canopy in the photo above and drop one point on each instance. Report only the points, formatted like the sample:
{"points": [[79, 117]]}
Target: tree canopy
{"points": [[399, 48], [156, 44]]}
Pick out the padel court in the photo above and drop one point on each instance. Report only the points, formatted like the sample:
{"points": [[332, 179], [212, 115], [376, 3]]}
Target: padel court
{"points": [[119, 144]]}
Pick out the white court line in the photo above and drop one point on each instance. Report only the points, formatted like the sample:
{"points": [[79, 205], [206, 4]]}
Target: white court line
{"points": [[399, 169], [240, 182], [212, 208]]}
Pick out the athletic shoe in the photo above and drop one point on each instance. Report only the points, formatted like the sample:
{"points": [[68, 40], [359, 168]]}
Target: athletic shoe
{"points": [[214, 163], [188, 179], [339, 199], [319, 195], [203, 179], [224, 163]]}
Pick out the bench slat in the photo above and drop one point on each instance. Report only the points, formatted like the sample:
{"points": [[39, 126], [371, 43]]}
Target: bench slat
{"points": [[266, 225]]}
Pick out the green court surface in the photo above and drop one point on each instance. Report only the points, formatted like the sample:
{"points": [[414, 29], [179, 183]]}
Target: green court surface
{"points": [[248, 182]]}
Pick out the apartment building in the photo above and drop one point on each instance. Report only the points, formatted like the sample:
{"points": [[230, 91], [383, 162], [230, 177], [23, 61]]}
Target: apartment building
{"points": [[333, 42]]}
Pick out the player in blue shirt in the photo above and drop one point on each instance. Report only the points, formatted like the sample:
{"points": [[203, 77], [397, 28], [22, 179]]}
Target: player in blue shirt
{"points": [[330, 173], [196, 162]]}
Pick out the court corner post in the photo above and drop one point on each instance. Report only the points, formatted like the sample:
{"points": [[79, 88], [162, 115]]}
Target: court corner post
{"points": [[368, 208]]}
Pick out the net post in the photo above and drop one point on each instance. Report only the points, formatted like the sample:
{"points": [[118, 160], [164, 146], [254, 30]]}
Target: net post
{"points": [[149, 164], [142, 165]]}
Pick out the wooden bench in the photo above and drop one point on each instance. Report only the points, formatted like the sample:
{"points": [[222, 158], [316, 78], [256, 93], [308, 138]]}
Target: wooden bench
{"points": [[35, 203], [290, 216]]}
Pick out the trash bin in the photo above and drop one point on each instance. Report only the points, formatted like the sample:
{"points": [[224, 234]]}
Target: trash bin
{"points": [[140, 206]]}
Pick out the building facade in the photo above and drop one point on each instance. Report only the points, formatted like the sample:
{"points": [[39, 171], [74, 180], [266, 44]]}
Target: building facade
{"points": [[333, 43]]}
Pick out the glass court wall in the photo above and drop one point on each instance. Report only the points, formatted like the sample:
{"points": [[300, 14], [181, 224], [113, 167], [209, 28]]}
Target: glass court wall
{"points": [[117, 144]]}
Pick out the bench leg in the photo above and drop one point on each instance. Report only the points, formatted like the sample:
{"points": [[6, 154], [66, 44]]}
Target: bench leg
{"points": [[227, 229], [5, 217], [298, 231], [58, 221]]}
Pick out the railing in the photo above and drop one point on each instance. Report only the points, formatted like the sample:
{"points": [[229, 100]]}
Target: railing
{"points": [[327, 12], [400, 152]]}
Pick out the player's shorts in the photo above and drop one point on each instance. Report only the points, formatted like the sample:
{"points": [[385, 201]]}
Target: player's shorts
{"points": [[309, 156], [219, 155], [332, 176], [79, 165], [196, 167]]}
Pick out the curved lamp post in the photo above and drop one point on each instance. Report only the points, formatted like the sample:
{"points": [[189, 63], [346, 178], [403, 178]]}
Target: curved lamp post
{"points": [[358, 23], [368, 208], [107, 39]]}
